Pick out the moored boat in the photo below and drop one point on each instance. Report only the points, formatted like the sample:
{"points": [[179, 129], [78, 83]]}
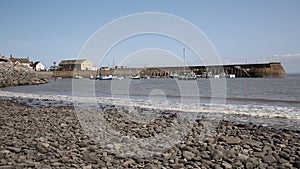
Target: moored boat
{"points": [[108, 77]]}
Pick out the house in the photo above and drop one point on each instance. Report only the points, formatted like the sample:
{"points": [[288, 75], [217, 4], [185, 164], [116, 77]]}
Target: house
{"points": [[21, 61], [79, 64], [39, 66], [3, 59]]}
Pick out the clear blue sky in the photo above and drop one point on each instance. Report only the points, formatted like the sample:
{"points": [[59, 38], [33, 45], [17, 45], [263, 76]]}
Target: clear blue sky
{"points": [[241, 31]]}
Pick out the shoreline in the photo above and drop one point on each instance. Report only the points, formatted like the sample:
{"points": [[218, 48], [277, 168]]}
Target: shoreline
{"points": [[53, 137]]}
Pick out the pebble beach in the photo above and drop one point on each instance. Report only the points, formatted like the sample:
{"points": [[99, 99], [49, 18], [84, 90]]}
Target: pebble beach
{"points": [[52, 137]]}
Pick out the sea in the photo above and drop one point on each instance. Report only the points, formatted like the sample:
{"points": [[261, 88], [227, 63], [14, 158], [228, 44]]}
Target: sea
{"points": [[273, 102]]}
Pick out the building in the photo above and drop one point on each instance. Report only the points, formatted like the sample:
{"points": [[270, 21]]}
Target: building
{"points": [[3, 59], [21, 61], [79, 64], [39, 66]]}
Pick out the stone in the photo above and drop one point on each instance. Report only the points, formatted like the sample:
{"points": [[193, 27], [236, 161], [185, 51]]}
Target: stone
{"points": [[269, 159], [14, 149], [249, 166], [231, 140], [296, 164], [128, 162], [188, 155], [254, 143], [284, 155], [242, 157], [177, 166], [259, 154], [226, 165], [89, 156], [7, 167], [204, 155], [56, 164], [254, 161], [87, 167], [216, 155], [218, 167]]}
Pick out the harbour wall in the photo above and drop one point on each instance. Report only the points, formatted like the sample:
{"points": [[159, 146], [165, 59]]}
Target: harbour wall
{"points": [[261, 70]]}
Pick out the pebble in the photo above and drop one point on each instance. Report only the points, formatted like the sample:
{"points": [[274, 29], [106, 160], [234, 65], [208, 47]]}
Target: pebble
{"points": [[188, 155], [232, 140], [269, 159], [40, 141]]}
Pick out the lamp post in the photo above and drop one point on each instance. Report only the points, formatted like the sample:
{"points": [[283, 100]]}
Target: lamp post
{"points": [[54, 74]]}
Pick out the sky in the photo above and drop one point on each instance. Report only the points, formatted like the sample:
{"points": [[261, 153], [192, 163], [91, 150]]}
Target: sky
{"points": [[240, 31]]}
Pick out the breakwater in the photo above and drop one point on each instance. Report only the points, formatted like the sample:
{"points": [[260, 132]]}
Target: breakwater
{"points": [[17, 75], [261, 70]]}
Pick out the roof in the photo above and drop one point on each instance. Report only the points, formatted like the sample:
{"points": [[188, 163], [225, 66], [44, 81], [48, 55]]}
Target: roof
{"points": [[20, 60], [37, 62], [72, 62]]}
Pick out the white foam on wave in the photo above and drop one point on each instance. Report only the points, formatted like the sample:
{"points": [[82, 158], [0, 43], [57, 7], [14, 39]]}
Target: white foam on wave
{"points": [[288, 112]]}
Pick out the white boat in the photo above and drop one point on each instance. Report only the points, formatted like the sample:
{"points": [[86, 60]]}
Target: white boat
{"points": [[92, 77], [216, 76], [230, 76], [77, 77], [173, 75], [108, 77], [188, 76], [117, 77], [136, 76]]}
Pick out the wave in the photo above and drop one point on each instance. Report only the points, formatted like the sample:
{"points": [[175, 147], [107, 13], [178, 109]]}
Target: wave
{"points": [[265, 100], [254, 110]]}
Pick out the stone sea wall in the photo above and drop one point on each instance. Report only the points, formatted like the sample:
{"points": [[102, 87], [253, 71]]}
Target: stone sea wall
{"points": [[17, 75]]}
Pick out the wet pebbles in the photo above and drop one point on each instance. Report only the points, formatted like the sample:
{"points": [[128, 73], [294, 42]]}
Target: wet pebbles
{"points": [[52, 137]]}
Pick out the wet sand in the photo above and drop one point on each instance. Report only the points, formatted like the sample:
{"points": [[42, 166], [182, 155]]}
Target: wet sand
{"points": [[53, 137]]}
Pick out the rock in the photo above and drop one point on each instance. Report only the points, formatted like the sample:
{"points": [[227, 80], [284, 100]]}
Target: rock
{"points": [[177, 166], [249, 166], [228, 153], [259, 154], [89, 156], [188, 155], [269, 159], [216, 155], [128, 163], [204, 155], [284, 155], [56, 164], [296, 164], [254, 143], [7, 167], [232, 140], [87, 167], [218, 167], [14, 149], [226, 165], [254, 161], [242, 157], [44, 145]]}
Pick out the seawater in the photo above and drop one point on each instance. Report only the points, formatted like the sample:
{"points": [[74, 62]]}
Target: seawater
{"points": [[262, 98]]}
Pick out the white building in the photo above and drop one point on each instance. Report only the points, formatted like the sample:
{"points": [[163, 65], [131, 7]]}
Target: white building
{"points": [[39, 66]]}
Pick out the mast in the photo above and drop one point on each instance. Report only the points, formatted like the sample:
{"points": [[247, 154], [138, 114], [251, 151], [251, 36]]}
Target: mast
{"points": [[184, 61]]}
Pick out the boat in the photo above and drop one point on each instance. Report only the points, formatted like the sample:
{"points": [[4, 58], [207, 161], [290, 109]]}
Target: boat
{"points": [[117, 77], [186, 76], [189, 76], [92, 77], [108, 77], [230, 76], [137, 76], [77, 77], [173, 75]]}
